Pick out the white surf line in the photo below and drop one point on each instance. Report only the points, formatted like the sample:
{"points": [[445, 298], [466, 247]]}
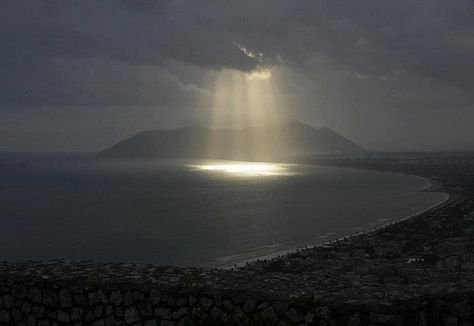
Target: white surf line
{"points": [[349, 235]]}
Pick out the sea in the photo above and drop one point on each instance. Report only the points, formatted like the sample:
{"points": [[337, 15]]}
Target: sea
{"points": [[75, 206]]}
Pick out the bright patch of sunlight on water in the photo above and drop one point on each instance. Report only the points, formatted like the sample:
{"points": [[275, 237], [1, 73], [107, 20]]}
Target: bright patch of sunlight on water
{"points": [[245, 168]]}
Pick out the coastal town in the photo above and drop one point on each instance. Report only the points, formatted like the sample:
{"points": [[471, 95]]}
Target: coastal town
{"points": [[417, 271]]}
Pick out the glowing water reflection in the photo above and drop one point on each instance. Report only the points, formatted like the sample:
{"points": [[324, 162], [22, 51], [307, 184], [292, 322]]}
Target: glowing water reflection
{"points": [[245, 168]]}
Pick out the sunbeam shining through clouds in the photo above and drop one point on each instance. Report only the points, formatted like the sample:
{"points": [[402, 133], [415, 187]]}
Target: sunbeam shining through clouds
{"points": [[242, 100]]}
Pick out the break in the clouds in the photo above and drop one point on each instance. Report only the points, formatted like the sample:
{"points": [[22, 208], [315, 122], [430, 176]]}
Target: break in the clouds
{"points": [[82, 74]]}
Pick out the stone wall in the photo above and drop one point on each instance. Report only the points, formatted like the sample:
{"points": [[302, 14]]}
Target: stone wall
{"points": [[66, 302]]}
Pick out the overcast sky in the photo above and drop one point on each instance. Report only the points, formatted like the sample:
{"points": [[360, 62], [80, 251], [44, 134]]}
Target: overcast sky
{"points": [[389, 75]]}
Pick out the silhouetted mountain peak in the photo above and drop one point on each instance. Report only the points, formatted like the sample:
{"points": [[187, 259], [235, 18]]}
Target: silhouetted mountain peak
{"points": [[293, 138], [295, 123], [326, 129]]}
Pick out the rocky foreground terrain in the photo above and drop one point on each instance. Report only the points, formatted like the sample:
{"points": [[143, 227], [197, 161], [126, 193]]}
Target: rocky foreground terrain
{"points": [[419, 271]]}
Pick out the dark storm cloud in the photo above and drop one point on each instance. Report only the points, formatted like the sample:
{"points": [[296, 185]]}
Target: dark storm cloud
{"points": [[432, 38], [85, 28], [341, 58]]}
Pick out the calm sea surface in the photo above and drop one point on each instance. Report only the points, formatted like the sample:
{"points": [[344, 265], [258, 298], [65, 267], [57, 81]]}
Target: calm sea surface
{"points": [[75, 206]]}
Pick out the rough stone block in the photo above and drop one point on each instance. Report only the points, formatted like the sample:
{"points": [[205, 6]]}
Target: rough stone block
{"points": [[19, 291], [34, 294], [116, 298], [151, 322], [63, 317], [379, 318], [448, 320], [8, 301], [131, 315], [99, 322], [65, 298], [269, 314], [180, 313], [39, 311], [4, 316], [163, 313], [76, 314], [294, 315]]}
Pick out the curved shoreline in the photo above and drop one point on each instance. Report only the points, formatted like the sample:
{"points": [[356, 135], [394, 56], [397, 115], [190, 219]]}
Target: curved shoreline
{"points": [[419, 271], [368, 230]]}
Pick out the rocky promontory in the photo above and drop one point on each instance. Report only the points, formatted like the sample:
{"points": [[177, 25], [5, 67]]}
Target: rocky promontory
{"points": [[249, 144]]}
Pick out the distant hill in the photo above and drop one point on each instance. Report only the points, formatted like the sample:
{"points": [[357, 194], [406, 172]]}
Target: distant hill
{"points": [[271, 143]]}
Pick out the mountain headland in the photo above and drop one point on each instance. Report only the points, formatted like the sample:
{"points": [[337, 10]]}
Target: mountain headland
{"points": [[270, 143]]}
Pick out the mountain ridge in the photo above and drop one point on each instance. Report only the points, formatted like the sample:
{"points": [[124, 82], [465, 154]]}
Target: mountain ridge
{"points": [[251, 143]]}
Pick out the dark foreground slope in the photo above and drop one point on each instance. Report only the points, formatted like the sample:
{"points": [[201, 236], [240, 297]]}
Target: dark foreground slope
{"points": [[416, 272], [291, 139]]}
